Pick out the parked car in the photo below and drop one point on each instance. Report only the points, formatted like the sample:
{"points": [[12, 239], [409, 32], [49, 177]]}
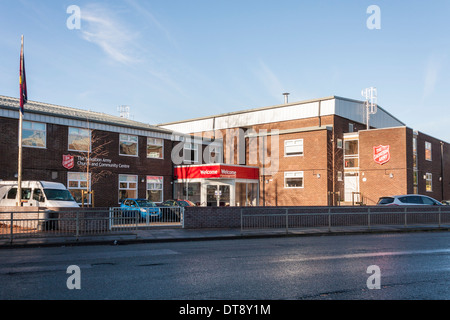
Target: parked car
{"points": [[172, 213], [408, 200], [446, 202], [141, 207], [178, 203]]}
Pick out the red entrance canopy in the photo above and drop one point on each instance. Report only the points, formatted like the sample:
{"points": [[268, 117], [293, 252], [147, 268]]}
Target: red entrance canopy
{"points": [[218, 171]]}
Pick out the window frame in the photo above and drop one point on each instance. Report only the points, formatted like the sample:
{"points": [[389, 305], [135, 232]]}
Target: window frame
{"points": [[428, 182], [300, 153], [122, 139], [44, 131], [428, 151], [156, 145], [128, 188], [300, 175], [83, 175], [159, 186], [78, 128]]}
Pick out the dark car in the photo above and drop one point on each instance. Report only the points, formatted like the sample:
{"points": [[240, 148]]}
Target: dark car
{"points": [[171, 209], [178, 203]]}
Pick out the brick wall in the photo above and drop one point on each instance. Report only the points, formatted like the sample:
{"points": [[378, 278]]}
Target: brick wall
{"points": [[46, 164]]}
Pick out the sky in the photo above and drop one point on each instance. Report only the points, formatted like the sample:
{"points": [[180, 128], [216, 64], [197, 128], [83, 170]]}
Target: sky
{"points": [[176, 59]]}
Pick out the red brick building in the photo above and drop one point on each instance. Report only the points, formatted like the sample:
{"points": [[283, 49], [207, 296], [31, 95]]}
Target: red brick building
{"points": [[126, 158], [319, 152]]}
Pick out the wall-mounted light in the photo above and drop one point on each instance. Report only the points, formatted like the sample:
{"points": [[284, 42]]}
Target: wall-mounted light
{"points": [[391, 175]]}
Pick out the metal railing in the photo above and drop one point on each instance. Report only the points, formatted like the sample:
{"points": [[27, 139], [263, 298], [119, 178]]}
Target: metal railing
{"points": [[333, 218], [76, 223]]}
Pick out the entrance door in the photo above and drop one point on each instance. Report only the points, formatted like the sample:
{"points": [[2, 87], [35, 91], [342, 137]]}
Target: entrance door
{"points": [[217, 195], [351, 184]]}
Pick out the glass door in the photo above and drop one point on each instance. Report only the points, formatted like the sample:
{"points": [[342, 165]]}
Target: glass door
{"points": [[218, 195]]}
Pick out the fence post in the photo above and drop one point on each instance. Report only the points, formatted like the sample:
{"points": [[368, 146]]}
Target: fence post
{"points": [[368, 217], [405, 218], [439, 216], [77, 227], [287, 220], [329, 220], [242, 226], [11, 228]]}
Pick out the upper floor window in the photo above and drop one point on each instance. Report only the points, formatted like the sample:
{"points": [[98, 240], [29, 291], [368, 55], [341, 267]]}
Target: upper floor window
{"points": [[79, 139], [428, 151], [34, 134], [155, 148], [128, 145], [190, 152], [293, 147], [351, 153]]}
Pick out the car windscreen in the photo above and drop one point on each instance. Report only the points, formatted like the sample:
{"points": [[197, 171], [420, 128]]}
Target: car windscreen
{"points": [[143, 203], [385, 200], [58, 195]]}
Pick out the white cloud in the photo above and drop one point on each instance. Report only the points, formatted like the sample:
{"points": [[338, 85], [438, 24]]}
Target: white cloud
{"points": [[432, 70], [101, 27], [270, 80]]}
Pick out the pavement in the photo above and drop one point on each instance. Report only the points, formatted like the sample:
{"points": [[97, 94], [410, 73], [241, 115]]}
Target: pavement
{"points": [[179, 234]]}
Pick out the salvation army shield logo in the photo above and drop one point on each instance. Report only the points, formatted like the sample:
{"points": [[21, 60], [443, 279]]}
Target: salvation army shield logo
{"points": [[381, 154], [68, 161]]}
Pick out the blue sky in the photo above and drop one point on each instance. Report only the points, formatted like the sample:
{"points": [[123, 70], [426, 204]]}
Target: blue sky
{"points": [[176, 59]]}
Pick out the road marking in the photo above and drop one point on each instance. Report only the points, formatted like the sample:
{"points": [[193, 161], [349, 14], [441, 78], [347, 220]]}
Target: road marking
{"points": [[368, 255]]}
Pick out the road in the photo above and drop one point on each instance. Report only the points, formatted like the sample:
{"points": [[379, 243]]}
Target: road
{"points": [[411, 266]]}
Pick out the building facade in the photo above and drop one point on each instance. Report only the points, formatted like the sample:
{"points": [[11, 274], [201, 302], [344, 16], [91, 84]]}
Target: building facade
{"points": [[323, 152], [310, 153], [112, 156]]}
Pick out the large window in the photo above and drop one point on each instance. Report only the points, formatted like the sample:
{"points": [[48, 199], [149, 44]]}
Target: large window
{"points": [[127, 186], [155, 188], [351, 154], [128, 145], [76, 183], [293, 147], [155, 148], [34, 134], [428, 151], [79, 139], [293, 179]]}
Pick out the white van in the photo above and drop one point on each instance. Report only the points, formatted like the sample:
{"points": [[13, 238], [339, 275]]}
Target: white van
{"points": [[36, 194]]}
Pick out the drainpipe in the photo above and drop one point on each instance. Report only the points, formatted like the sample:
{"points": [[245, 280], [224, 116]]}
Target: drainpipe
{"points": [[442, 170]]}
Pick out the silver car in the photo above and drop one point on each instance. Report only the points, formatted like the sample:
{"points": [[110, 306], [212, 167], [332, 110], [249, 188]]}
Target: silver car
{"points": [[408, 200]]}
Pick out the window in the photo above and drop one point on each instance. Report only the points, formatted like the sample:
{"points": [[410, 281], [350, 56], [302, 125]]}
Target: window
{"points": [[76, 183], [293, 147], [79, 139], [293, 179], [127, 186], [339, 176], [34, 134], [339, 143], [428, 182], [155, 148], [190, 152], [351, 158], [428, 151], [128, 145], [155, 188], [213, 154]]}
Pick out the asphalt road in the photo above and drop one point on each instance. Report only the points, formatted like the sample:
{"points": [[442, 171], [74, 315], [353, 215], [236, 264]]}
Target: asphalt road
{"points": [[411, 266]]}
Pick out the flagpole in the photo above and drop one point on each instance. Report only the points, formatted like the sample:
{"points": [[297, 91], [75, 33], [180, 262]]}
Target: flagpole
{"points": [[19, 169]]}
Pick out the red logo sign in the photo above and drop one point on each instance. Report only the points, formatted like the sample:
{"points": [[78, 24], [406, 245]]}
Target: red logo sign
{"points": [[68, 161], [381, 154]]}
